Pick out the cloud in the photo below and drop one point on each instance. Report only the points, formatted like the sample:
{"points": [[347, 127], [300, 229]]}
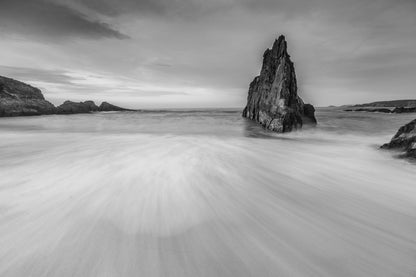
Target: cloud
{"points": [[186, 8], [41, 18], [114, 8], [183, 9], [38, 75], [209, 51], [60, 85]]}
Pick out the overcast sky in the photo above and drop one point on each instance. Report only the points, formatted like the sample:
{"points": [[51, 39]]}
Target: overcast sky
{"points": [[204, 53]]}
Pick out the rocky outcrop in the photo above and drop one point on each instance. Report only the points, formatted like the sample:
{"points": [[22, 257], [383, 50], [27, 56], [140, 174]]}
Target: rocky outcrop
{"points": [[17, 98], [107, 107], [69, 107], [91, 106], [20, 99], [404, 139], [404, 110], [272, 97], [308, 116]]}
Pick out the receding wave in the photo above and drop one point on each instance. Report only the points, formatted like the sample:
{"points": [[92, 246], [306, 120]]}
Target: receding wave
{"points": [[203, 194]]}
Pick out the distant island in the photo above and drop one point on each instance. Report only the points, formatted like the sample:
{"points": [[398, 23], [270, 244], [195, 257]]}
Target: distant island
{"points": [[393, 106], [20, 99]]}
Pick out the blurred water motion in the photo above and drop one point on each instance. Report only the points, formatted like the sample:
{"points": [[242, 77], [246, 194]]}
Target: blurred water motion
{"points": [[204, 193]]}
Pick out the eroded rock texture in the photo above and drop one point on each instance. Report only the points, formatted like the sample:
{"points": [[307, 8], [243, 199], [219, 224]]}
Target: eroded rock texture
{"points": [[404, 139], [17, 98], [272, 97]]}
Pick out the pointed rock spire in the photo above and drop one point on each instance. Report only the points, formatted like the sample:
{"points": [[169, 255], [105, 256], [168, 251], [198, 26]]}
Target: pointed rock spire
{"points": [[272, 97]]}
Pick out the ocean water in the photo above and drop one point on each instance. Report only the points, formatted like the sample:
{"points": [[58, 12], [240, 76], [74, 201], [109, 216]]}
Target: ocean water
{"points": [[204, 193]]}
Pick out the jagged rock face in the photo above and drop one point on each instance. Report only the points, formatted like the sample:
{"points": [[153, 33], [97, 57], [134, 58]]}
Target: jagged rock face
{"points": [[404, 139], [18, 98], [272, 97], [69, 107], [107, 107]]}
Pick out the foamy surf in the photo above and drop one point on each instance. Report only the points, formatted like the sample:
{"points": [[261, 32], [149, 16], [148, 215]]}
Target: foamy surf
{"points": [[203, 194]]}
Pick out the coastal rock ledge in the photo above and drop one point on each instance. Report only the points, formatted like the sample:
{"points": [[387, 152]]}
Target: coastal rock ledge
{"points": [[405, 140], [272, 97]]}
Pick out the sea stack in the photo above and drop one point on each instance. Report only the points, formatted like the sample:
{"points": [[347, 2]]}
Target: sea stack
{"points": [[272, 99]]}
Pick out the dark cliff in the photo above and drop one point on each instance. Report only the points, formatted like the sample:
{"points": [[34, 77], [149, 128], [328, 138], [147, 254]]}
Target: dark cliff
{"points": [[17, 98], [272, 97]]}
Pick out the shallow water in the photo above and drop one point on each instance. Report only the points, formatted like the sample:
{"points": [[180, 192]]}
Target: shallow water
{"points": [[204, 193]]}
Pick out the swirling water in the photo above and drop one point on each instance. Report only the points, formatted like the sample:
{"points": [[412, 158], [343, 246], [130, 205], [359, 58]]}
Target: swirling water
{"points": [[204, 193]]}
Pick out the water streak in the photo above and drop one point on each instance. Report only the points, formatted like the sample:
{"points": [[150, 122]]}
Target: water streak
{"points": [[204, 194]]}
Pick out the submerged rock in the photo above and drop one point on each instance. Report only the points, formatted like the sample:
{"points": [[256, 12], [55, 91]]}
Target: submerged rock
{"points": [[404, 139], [18, 98], [272, 97]]}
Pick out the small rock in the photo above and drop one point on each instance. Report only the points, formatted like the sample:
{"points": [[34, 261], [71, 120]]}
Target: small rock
{"points": [[404, 139]]}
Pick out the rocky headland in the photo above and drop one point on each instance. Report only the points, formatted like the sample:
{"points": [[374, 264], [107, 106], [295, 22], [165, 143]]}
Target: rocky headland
{"points": [[404, 140], [272, 98], [20, 99], [384, 110], [390, 103], [393, 106]]}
